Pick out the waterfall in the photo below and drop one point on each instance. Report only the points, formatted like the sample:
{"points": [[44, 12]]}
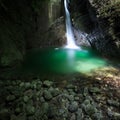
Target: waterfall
{"points": [[69, 31]]}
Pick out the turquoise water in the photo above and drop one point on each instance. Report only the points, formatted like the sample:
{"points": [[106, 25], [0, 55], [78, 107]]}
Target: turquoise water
{"points": [[60, 60]]}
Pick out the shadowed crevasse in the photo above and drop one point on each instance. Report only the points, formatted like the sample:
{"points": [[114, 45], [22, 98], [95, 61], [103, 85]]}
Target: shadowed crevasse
{"points": [[99, 19]]}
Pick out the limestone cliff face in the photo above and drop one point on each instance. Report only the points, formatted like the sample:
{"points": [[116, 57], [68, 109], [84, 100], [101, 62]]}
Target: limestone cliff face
{"points": [[24, 25], [55, 36], [108, 14], [17, 25], [100, 20]]}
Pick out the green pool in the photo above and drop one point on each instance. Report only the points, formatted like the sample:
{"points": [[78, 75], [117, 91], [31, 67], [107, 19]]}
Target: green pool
{"points": [[62, 60]]}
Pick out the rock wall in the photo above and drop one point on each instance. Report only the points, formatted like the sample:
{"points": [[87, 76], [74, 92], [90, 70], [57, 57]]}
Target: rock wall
{"points": [[108, 15], [16, 24], [55, 36], [100, 20], [24, 25]]}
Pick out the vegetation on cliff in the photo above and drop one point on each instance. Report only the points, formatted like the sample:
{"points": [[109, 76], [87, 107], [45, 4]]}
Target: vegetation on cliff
{"points": [[100, 20], [107, 12]]}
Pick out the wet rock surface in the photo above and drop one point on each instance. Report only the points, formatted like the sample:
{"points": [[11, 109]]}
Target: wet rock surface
{"points": [[84, 98], [98, 21], [108, 14], [55, 35]]}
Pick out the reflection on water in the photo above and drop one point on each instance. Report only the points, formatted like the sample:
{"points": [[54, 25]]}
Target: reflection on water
{"points": [[63, 61]]}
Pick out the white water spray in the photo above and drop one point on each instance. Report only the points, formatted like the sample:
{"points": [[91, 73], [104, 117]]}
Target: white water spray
{"points": [[69, 33]]}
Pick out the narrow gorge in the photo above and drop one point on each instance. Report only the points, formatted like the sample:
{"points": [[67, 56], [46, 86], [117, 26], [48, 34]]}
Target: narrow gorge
{"points": [[59, 60]]}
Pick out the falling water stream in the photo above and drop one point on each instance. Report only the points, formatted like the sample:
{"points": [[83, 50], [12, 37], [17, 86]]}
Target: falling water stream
{"points": [[69, 32]]}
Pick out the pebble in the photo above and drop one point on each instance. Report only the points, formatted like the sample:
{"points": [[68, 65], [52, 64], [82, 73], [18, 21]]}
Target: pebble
{"points": [[94, 90], [38, 86], [19, 117], [44, 108], [98, 116], [52, 111], [67, 103], [26, 98], [80, 114], [13, 117], [4, 114], [89, 98], [22, 84], [14, 83], [73, 117], [27, 85], [55, 92], [90, 109], [17, 110], [76, 89], [38, 93], [70, 90], [51, 89], [111, 114], [47, 83], [113, 103], [77, 98], [47, 95], [87, 102], [42, 99], [10, 98], [30, 110], [116, 115], [71, 98], [73, 107], [62, 111], [70, 86], [85, 93]]}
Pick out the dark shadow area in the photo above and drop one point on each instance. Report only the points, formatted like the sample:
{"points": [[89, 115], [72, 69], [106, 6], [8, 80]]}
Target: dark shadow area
{"points": [[24, 98], [34, 84], [99, 24]]}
